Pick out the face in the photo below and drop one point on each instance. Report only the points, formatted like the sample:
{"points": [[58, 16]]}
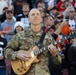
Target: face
{"points": [[50, 21], [41, 11], [35, 17], [71, 13], [25, 9], [55, 12], [18, 29], [41, 5], [9, 14]]}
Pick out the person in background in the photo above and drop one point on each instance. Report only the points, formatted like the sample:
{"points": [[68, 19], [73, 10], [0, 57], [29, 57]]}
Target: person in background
{"points": [[54, 12], [3, 15], [24, 16], [70, 13], [8, 24], [19, 26], [40, 3], [72, 58], [3, 4], [16, 5], [3, 43]]}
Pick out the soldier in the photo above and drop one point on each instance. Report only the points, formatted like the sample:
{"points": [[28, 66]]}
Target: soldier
{"points": [[24, 40]]}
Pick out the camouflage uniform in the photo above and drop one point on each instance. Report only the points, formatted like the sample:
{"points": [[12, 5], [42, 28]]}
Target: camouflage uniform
{"points": [[23, 41]]}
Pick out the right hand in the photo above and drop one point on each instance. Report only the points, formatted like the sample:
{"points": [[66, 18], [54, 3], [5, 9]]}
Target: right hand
{"points": [[23, 55]]}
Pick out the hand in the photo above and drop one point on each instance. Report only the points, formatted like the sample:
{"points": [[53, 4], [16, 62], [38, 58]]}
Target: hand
{"points": [[5, 32], [64, 23], [1, 57], [23, 55], [52, 50]]}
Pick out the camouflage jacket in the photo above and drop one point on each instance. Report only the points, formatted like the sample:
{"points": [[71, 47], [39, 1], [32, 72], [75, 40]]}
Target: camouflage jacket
{"points": [[24, 40]]}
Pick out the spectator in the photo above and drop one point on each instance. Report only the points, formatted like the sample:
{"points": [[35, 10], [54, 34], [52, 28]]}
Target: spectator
{"points": [[19, 26], [3, 16], [40, 3], [17, 6], [72, 58], [54, 12], [2, 5], [3, 44], [24, 16], [70, 12], [8, 24]]}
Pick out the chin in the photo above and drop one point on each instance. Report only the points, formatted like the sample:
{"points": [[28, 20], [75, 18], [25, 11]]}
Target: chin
{"points": [[36, 23]]}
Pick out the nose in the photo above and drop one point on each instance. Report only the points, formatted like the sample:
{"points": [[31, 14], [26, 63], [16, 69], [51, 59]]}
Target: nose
{"points": [[35, 15]]}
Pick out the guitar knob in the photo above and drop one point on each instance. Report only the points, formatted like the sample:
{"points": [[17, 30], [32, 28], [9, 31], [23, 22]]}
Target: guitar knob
{"points": [[19, 70], [21, 67], [24, 69]]}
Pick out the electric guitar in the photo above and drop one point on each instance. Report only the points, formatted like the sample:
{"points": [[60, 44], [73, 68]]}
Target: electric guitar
{"points": [[21, 67]]}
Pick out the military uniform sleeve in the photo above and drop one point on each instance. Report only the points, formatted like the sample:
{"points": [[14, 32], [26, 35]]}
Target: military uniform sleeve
{"points": [[11, 48], [56, 59]]}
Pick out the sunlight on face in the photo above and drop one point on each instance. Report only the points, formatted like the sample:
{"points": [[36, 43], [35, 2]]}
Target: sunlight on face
{"points": [[35, 17]]}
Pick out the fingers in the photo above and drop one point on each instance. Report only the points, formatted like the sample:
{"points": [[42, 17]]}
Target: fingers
{"points": [[23, 56], [51, 47], [52, 50]]}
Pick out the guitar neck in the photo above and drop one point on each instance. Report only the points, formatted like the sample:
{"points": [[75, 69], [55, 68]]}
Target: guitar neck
{"points": [[41, 50]]}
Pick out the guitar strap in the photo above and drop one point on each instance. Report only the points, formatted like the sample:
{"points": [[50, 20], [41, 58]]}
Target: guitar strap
{"points": [[39, 44]]}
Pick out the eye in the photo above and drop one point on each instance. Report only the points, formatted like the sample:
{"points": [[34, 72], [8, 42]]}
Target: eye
{"points": [[37, 13], [33, 14]]}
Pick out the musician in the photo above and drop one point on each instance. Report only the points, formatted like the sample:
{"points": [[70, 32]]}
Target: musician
{"points": [[24, 40], [72, 58]]}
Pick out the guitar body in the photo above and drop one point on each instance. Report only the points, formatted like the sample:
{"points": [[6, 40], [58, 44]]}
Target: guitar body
{"points": [[20, 67]]}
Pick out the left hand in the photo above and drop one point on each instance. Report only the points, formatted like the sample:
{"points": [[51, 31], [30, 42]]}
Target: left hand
{"points": [[52, 50], [64, 23]]}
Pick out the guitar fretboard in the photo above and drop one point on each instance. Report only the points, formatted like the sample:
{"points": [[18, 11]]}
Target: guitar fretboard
{"points": [[40, 50]]}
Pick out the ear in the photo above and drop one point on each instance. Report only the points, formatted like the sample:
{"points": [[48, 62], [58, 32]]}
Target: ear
{"points": [[28, 19], [22, 9], [41, 19]]}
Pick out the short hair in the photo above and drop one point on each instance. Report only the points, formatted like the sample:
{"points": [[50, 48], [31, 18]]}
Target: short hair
{"points": [[39, 1], [26, 3], [54, 8], [46, 17], [5, 8]]}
